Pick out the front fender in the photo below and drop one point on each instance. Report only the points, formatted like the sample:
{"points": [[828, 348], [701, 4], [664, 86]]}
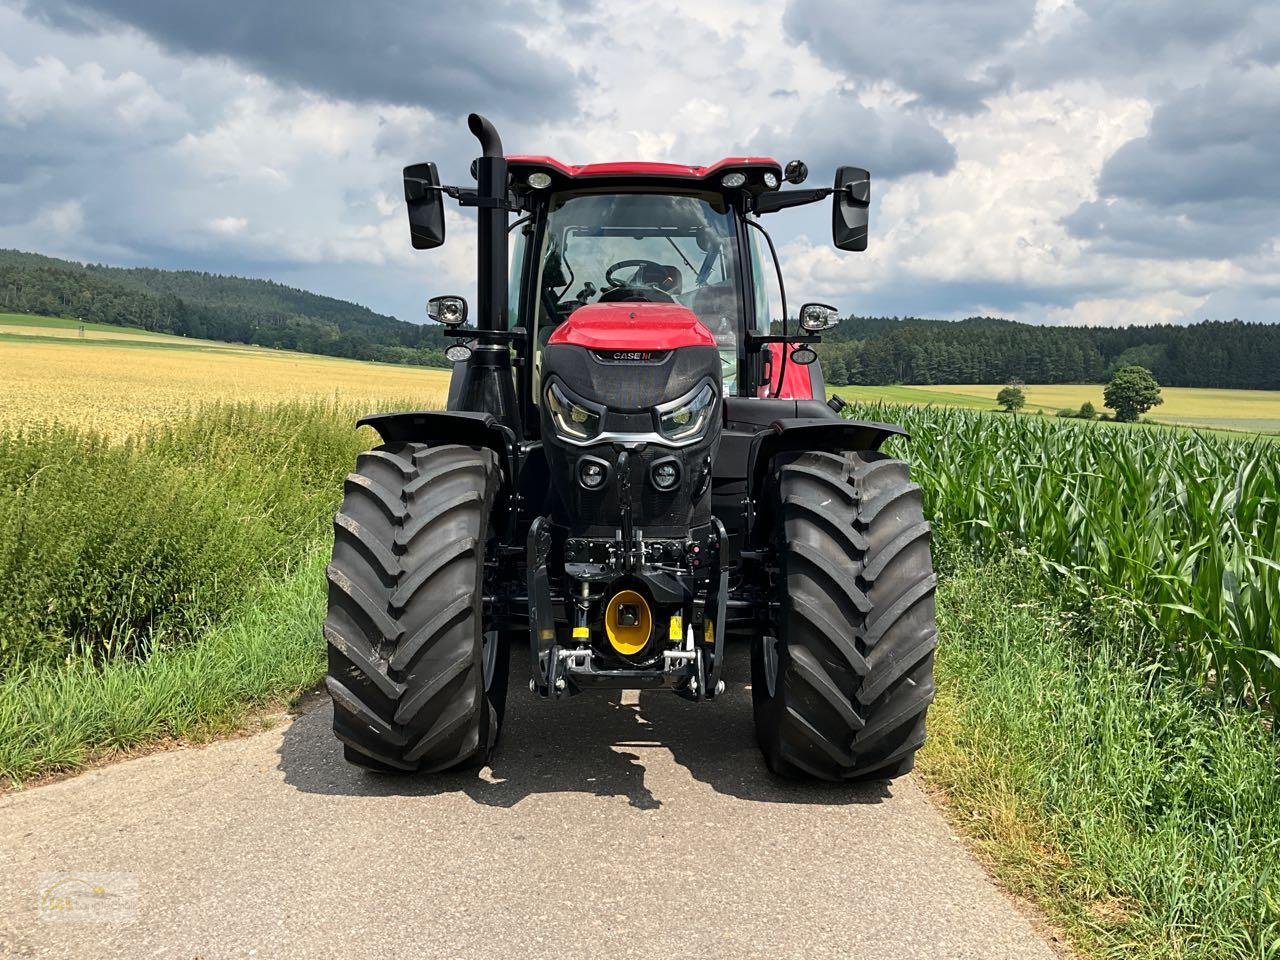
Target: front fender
{"points": [[439, 427], [812, 433]]}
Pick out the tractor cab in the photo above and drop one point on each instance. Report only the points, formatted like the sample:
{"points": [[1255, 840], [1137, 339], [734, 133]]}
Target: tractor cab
{"points": [[637, 464], [642, 233], [630, 233]]}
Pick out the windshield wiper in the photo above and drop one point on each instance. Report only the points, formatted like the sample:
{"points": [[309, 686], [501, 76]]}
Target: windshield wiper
{"points": [[680, 254]]}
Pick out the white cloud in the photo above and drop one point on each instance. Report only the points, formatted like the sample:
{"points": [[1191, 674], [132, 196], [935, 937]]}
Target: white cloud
{"points": [[62, 219], [228, 226], [1024, 164], [1158, 307], [84, 93]]}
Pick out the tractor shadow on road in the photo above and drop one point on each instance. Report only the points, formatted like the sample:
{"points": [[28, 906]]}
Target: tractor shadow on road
{"points": [[594, 744]]}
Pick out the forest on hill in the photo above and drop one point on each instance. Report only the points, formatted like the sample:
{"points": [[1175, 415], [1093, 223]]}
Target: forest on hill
{"points": [[861, 350], [879, 350], [215, 307]]}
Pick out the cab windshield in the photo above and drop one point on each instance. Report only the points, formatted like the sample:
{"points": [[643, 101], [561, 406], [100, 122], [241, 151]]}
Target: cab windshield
{"points": [[642, 247]]}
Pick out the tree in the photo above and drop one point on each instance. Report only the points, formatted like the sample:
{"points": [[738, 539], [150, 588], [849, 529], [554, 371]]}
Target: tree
{"points": [[1012, 398], [833, 369], [1132, 392], [1087, 411]]}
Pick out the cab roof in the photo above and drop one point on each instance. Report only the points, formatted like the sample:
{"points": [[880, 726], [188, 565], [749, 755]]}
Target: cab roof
{"points": [[640, 171]]}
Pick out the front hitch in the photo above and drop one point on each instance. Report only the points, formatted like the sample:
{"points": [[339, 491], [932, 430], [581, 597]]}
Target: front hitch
{"points": [[544, 656]]}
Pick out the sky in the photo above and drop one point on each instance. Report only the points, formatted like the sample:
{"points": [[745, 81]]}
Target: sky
{"points": [[1060, 162]]}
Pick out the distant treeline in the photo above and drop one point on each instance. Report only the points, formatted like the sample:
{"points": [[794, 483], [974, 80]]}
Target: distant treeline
{"points": [[213, 307], [861, 350], [877, 350]]}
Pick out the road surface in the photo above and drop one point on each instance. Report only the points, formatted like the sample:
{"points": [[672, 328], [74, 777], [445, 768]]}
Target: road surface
{"points": [[637, 826]]}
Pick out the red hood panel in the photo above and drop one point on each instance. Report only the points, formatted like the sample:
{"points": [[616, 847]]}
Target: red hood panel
{"points": [[633, 326]]}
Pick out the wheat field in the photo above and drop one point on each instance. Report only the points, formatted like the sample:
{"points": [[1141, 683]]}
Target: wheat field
{"points": [[118, 380]]}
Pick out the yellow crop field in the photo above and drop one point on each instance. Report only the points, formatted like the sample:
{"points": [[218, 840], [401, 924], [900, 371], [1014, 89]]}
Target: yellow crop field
{"points": [[1251, 411], [117, 380]]}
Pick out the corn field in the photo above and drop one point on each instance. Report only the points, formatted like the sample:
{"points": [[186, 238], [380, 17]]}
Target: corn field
{"points": [[1182, 528]]}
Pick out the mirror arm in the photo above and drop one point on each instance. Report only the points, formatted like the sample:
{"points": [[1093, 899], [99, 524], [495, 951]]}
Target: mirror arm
{"points": [[469, 197], [515, 336], [784, 199]]}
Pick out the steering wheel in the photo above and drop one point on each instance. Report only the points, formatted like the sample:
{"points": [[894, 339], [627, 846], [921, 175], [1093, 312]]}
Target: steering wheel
{"points": [[608, 274], [621, 291]]}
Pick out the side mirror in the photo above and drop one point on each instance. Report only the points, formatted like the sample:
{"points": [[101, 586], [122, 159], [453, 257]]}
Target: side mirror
{"points": [[426, 205], [451, 311], [849, 207], [818, 316]]}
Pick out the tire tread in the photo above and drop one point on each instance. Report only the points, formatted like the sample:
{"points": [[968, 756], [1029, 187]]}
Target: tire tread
{"points": [[404, 622], [856, 621]]}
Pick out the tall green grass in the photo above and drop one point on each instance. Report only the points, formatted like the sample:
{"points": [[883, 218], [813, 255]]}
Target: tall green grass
{"points": [[1143, 816], [165, 587], [111, 551], [1180, 529], [61, 715]]}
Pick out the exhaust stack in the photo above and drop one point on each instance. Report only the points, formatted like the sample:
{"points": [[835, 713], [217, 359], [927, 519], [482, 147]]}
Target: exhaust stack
{"points": [[491, 197], [487, 383]]}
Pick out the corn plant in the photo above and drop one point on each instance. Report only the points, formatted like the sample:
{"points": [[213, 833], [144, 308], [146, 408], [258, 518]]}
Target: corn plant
{"points": [[1183, 528]]}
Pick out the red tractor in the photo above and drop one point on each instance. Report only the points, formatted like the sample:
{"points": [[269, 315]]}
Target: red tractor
{"points": [[634, 469]]}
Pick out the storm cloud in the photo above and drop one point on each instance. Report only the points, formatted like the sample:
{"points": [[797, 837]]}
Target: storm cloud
{"points": [[1217, 141], [945, 54], [838, 130], [1202, 181], [437, 56]]}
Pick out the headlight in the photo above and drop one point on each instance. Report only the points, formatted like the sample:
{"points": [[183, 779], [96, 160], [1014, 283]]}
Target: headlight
{"points": [[687, 418], [571, 417]]}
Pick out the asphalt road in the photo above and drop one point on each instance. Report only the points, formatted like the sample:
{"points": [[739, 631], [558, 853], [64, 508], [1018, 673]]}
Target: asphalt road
{"points": [[638, 826]]}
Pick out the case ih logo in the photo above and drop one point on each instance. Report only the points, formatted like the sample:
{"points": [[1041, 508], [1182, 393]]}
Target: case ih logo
{"points": [[630, 356]]}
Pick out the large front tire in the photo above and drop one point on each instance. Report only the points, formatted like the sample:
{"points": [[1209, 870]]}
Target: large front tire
{"points": [[841, 691], [418, 681]]}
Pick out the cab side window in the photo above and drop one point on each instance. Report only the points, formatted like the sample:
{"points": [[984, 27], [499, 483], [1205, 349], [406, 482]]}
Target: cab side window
{"points": [[764, 283]]}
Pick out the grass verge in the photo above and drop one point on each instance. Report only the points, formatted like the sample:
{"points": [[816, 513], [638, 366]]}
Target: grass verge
{"points": [[1141, 817], [61, 717]]}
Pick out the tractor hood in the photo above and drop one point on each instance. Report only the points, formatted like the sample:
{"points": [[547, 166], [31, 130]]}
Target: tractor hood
{"points": [[630, 327], [632, 356]]}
